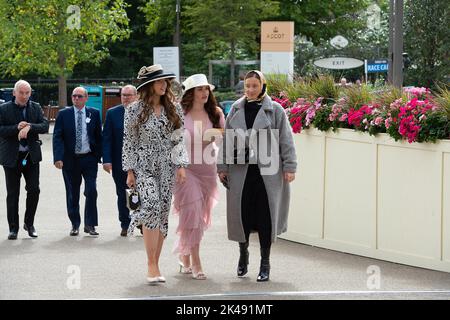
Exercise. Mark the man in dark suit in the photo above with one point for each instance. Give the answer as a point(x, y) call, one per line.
point(21, 121)
point(77, 150)
point(112, 152)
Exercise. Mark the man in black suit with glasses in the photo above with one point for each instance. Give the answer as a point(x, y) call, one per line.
point(21, 122)
point(77, 150)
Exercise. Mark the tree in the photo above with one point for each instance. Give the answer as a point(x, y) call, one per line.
point(322, 20)
point(128, 55)
point(234, 22)
point(427, 36)
point(51, 37)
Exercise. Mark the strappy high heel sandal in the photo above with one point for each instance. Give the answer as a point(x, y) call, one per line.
point(198, 275)
point(183, 269)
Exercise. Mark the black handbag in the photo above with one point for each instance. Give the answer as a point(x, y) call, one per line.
point(133, 199)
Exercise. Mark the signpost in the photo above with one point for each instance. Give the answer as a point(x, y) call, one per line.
point(338, 63)
point(168, 58)
point(277, 48)
point(375, 66)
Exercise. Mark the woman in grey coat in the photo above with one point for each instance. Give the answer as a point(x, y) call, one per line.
point(257, 170)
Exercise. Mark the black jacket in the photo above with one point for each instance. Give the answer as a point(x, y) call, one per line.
point(10, 117)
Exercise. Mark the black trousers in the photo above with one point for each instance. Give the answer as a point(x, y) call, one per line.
point(85, 167)
point(255, 207)
point(120, 179)
point(30, 172)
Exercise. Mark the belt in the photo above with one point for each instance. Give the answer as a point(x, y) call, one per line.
point(82, 155)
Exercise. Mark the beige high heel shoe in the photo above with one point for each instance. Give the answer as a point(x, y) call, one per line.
point(183, 269)
point(198, 275)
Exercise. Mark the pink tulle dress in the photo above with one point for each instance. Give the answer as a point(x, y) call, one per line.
point(195, 199)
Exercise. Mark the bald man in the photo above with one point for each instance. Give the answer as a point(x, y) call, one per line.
point(21, 122)
point(77, 150)
point(112, 152)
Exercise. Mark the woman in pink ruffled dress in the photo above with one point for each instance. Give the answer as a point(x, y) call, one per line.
point(195, 199)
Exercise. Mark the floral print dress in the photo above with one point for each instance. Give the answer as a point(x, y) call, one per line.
point(153, 152)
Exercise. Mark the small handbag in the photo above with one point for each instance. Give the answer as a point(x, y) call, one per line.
point(225, 183)
point(133, 199)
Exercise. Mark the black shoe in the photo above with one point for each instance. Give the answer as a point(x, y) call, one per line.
point(12, 235)
point(31, 231)
point(264, 268)
point(74, 232)
point(123, 233)
point(90, 230)
point(243, 259)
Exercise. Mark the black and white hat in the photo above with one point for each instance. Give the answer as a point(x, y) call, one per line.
point(152, 73)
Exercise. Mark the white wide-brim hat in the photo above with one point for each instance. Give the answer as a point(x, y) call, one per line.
point(152, 73)
point(196, 80)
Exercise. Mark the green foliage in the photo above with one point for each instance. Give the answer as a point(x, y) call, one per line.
point(277, 83)
point(434, 127)
point(225, 95)
point(321, 119)
point(443, 99)
point(427, 36)
point(385, 95)
point(324, 86)
point(43, 36)
point(322, 20)
point(160, 16)
point(358, 96)
point(302, 88)
point(233, 22)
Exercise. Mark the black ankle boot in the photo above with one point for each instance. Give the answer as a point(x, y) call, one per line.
point(243, 259)
point(264, 268)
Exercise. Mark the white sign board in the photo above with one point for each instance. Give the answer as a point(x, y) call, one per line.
point(168, 58)
point(338, 63)
point(277, 48)
point(339, 42)
point(277, 63)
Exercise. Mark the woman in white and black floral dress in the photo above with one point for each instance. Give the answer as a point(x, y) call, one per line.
point(154, 155)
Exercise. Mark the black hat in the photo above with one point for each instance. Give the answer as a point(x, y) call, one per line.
point(152, 73)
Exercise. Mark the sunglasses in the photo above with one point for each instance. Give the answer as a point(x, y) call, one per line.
point(79, 96)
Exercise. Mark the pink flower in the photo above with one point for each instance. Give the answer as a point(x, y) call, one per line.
point(408, 128)
point(355, 116)
point(296, 124)
point(378, 121)
point(387, 122)
point(343, 117)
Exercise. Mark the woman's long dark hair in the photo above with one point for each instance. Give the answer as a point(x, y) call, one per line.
point(211, 106)
point(167, 100)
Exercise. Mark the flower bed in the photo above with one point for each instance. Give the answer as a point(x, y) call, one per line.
point(379, 194)
point(415, 115)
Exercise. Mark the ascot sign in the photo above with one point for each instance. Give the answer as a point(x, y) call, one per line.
point(338, 63)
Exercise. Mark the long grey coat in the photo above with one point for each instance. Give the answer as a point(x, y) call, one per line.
point(282, 157)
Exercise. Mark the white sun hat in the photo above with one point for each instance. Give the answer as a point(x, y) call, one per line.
point(196, 80)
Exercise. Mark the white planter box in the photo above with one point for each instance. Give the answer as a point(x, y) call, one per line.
point(372, 196)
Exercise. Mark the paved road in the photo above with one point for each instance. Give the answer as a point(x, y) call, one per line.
point(56, 266)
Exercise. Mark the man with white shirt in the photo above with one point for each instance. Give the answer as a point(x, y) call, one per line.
point(77, 149)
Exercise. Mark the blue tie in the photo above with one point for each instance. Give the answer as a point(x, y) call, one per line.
point(78, 132)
